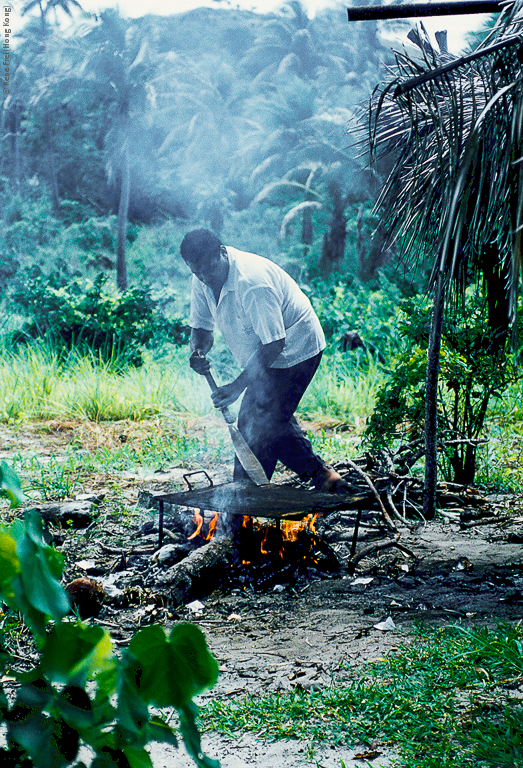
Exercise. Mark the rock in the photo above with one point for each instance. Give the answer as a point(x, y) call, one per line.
point(169, 554)
point(68, 514)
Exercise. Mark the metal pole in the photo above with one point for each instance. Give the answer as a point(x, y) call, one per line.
point(417, 10)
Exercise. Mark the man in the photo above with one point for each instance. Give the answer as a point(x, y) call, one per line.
point(270, 327)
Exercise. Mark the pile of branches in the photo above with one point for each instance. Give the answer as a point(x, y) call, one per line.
point(385, 482)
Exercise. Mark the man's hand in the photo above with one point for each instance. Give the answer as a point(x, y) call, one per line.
point(228, 394)
point(199, 362)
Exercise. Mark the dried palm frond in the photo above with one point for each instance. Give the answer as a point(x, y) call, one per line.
point(453, 196)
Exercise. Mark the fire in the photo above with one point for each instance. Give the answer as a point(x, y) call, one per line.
point(198, 521)
point(264, 541)
point(291, 529)
point(212, 527)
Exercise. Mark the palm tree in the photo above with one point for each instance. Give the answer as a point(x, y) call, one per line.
point(117, 64)
point(199, 105)
point(454, 195)
point(284, 44)
point(50, 5)
point(304, 164)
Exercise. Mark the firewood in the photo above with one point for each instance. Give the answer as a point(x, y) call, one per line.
point(197, 572)
point(377, 546)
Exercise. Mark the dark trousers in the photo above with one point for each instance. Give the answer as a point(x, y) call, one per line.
point(266, 420)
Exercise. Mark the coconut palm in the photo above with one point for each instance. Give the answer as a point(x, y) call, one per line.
point(44, 11)
point(117, 65)
point(199, 114)
point(304, 163)
point(454, 194)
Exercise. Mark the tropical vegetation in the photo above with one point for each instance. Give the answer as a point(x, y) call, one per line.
point(121, 135)
point(453, 197)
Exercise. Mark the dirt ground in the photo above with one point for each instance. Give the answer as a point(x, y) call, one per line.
point(310, 633)
point(279, 640)
point(325, 630)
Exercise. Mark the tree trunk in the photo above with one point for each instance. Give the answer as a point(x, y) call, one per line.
point(431, 401)
point(123, 209)
point(51, 168)
point(333, 248)
point(377, 256)
point(17, 167)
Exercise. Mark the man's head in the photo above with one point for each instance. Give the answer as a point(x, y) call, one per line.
point(205, 255)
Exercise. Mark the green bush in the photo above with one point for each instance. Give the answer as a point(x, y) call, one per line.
point(474, 368)
point(371, 312)
point(79, 692)
point(94, 234)
point(94, 317)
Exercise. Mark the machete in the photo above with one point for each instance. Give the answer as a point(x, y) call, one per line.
point(245, 456)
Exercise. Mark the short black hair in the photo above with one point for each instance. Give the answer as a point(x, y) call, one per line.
point(199, 242)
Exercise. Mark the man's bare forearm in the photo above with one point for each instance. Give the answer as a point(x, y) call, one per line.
point(262, 359)
point(201, 340)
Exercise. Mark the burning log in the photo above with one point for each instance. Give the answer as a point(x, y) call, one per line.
point(201, 569)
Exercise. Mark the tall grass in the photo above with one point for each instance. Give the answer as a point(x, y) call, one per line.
point(344, 388)
point(36, 383)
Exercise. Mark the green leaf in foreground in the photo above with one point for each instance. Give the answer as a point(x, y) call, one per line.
point(74, 653)
point(34, 587)
point(77, 691)
point(172, 669)
point(167, 671)
point(10, 485)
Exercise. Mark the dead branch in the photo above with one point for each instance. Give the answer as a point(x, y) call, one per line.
point(375, 547)
point(388, 462)
point(375, 492)
point(491, 520)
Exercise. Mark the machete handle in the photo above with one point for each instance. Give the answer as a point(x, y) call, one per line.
point(227, 415)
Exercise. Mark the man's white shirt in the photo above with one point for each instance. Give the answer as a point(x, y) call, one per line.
point(259, 303)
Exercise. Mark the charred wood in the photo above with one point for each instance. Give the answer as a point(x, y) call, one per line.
point(198, 572)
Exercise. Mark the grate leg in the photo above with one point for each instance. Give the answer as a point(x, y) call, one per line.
point(160, 522)
point(356, 531)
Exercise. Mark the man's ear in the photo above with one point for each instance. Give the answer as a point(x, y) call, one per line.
point(223, 250)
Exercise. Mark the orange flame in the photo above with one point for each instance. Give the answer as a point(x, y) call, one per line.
point(264, 541)
point(311, 519)
point(212, 527)
point(198, 521)
point(291, 530)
